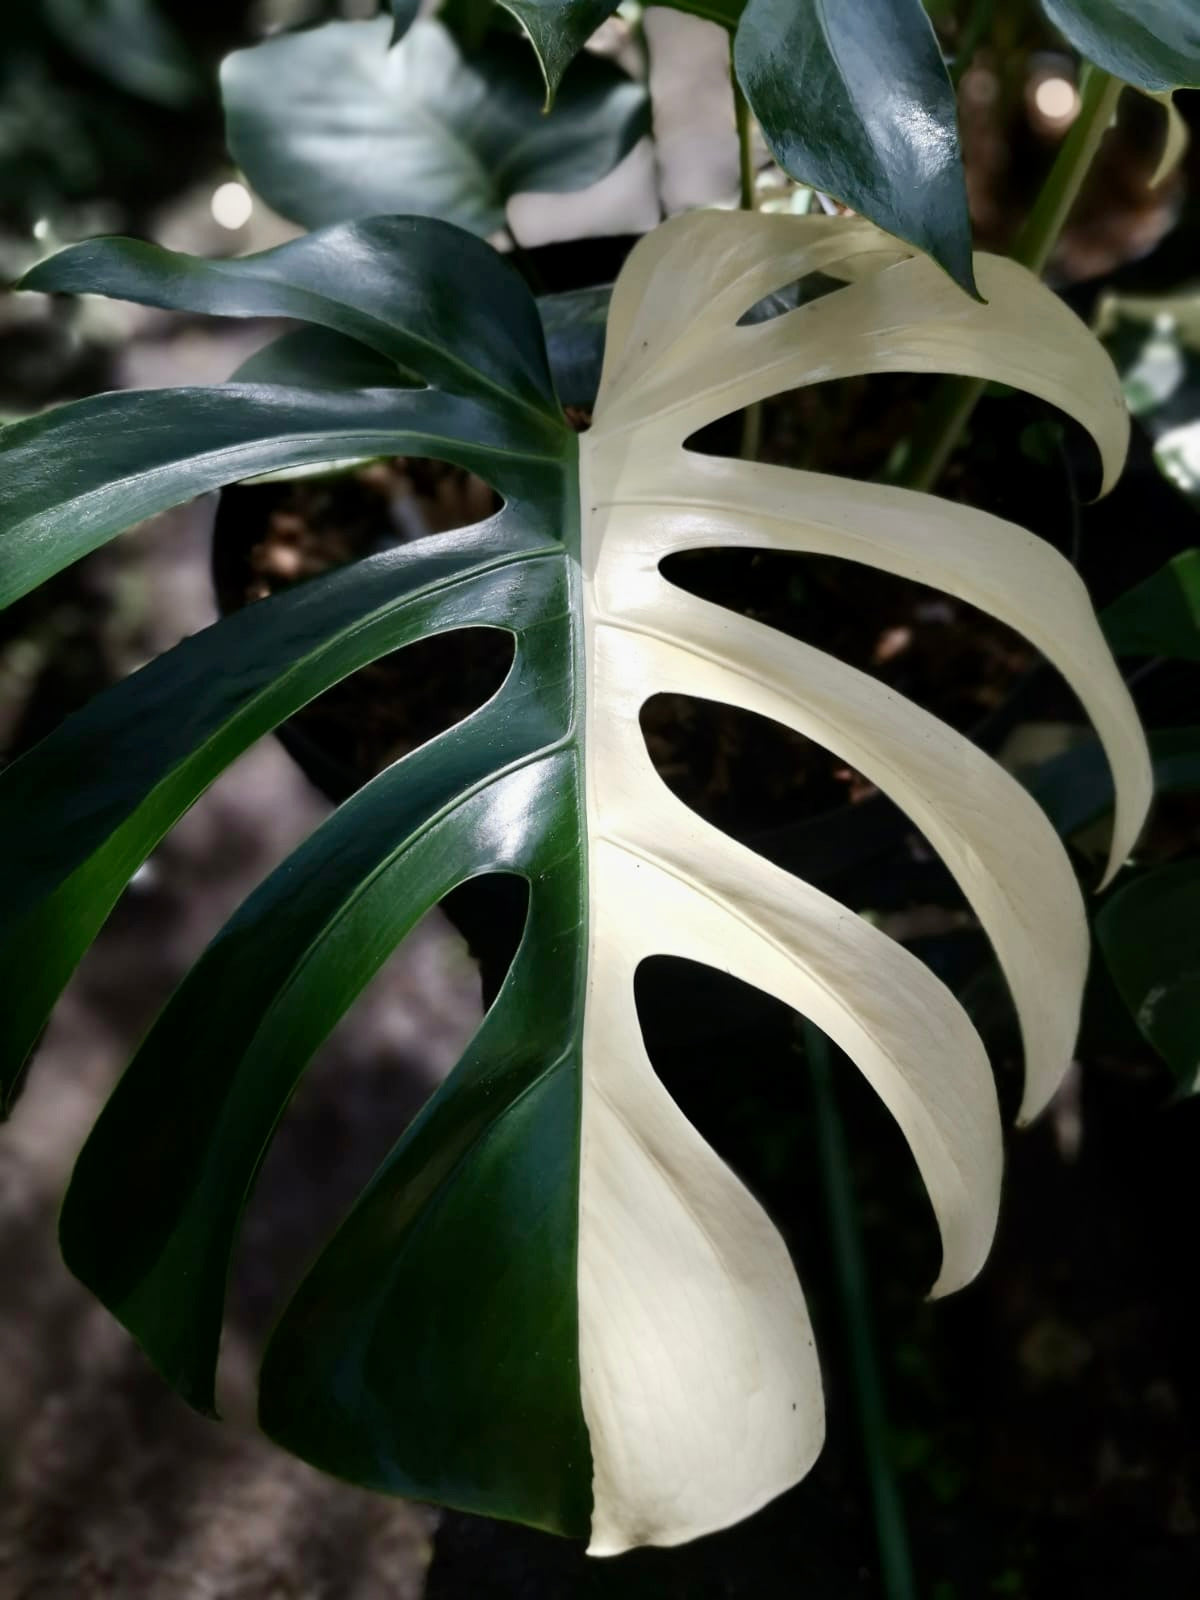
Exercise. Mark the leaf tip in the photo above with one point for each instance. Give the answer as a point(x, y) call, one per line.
point(1034, 1102)
point(960, 266)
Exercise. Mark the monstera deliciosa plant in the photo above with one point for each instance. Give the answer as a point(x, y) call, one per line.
point(553, 1302)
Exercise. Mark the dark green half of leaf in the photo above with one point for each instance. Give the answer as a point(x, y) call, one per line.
point(433, 1349)
point(574, 323)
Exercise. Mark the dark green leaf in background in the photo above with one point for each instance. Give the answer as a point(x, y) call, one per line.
point(1150, 935)
point(855, 99)
point(476, 1209)
point(559, 30)
point(132, 44)
point(404, 14)
point(574, 324)
point(318, 358)
point(331, 124)
point(1075, 788)
point(1154, 44)
point(1161, 615)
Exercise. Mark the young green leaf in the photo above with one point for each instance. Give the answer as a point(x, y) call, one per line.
point(1153, 44)
point(330, 125)
point(856, 100)
point(553, 1302)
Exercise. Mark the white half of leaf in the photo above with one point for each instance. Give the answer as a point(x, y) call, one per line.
point(700, 1385)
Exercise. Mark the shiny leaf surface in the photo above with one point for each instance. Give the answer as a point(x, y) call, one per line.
point(404, 14)
point(550, 1242)
point(331, 124)
point(132, 43)
point(1155, 342)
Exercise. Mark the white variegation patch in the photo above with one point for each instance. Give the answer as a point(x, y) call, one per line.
point(701, 1386)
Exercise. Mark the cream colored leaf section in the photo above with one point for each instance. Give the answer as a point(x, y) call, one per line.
point(700, 1385)
point(908, 316)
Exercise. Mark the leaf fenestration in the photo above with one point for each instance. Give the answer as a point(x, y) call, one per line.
point(550, 1242)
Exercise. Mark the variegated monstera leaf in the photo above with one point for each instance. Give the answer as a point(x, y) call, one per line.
point(553, 1302)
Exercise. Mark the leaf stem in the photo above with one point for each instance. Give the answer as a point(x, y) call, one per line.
point(1099, 93)
point(954, 399)
point(752, 417)
point(891, 1533)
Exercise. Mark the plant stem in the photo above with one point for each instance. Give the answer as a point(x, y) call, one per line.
point(752, 417)
point(895, 1563)
point(935, 441)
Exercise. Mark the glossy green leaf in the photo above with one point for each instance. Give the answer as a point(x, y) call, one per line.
point(856, 100)
point(330, 124)
point(1154, 44)
point(1150, 936)
point(574, 324)
point(559, 29)
point(554, 1302)
point(1161, 615)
